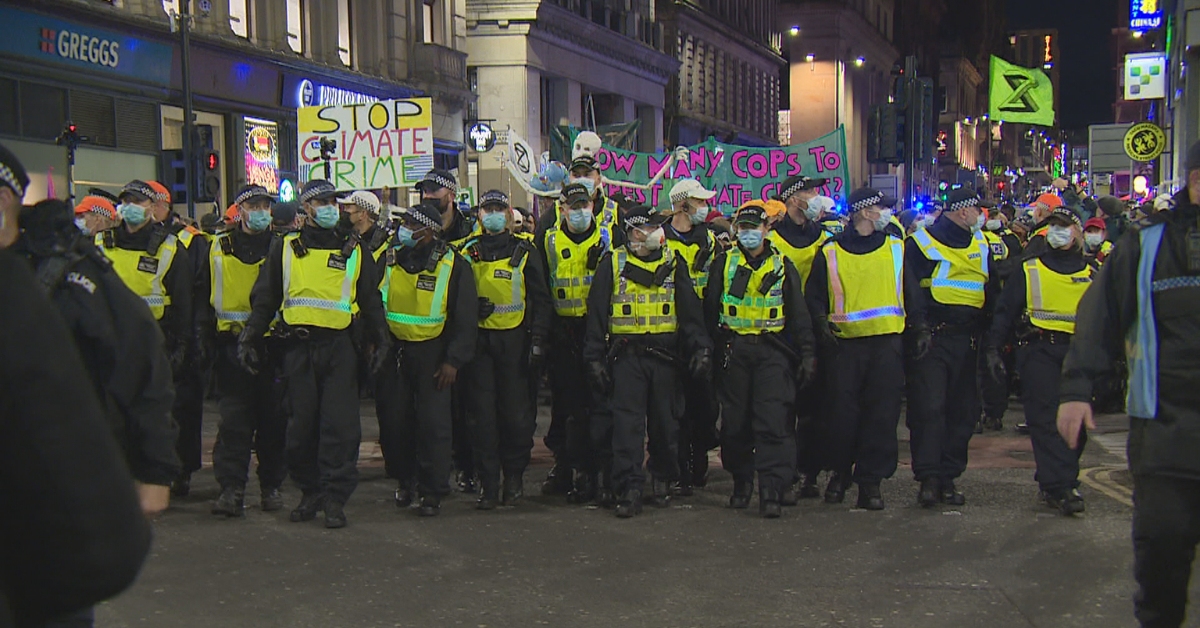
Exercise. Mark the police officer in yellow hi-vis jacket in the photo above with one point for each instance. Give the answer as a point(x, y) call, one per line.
point(432, 313)
point(572, 249)
point(755, 310)
point(1039, 303)
point(514, 324)
point(952, 259)
point(318, 280)
point(690, 238)
point(645, 327)
point(862, 299)
point(251, 416)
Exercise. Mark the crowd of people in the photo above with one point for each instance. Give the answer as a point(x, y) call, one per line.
point(787, 335)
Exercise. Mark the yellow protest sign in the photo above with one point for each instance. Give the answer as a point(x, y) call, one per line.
point(388, 143)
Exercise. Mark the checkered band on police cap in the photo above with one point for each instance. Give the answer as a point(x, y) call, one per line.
point(420, 215)
point(365, 200)
point(796, 186)
point(251, 191)
point(862, 204)
point(144, 189)
point(493, 197)
point(316, 189)
point(441, 179)
point(10, 179)
point(970, 201)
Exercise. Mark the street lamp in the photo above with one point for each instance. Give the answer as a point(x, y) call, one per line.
point(859, 62)
point(795, 30)
point(810, 57)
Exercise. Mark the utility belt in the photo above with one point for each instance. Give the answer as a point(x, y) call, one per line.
point(308, 332)
point(641, 348)
point(1036, 335)
point(768, 339)
point(954, 329)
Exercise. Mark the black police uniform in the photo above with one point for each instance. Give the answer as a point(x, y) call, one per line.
point(416, 432)
point(1164, 395)
point(644, 373)
point(324, 430)
point(251, 405)
point(500, 420)
point(458, 233)
point(942, 385)
point(864, 378)
point(119, 341)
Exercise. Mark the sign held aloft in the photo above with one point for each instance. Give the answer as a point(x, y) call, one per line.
point(388, 143)
point(1020, 95)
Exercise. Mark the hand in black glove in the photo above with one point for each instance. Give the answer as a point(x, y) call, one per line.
point(922, 342)
point(825, 336)
point(700, 366)
point(486, 307)
point(599, 377)
point(248, 354)
point(995, 364)
point(806, 371)
point(206, 348)
point(537, 355)
point(379, 354)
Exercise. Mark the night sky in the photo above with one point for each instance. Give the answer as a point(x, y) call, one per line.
point(1085, 31)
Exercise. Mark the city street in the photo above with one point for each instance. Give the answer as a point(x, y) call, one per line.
point(1000, 561)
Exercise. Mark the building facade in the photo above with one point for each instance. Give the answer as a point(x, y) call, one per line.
point(840, 61)
point(728, 85)
point(115, 70)
point(539, 64)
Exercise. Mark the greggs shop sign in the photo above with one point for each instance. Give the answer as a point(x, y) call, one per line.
point(48, 40)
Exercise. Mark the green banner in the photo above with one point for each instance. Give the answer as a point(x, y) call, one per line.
point(1021, 95)
point(737, 173)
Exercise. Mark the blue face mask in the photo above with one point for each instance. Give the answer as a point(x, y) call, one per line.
point(258, 220)
point(132, 214)
point(404, 237)
point(585, 182)
point(579, 219)
point(494, 222)
point(81, 225)
point(327, 216)
point(750, 239)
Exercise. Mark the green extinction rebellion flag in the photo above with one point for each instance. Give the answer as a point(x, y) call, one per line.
point(1021, 95)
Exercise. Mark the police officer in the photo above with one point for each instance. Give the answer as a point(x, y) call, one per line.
point(951, 259)
point(363, 209)
point(1040, 211)
point(251, 416)
point(993, 392)
point(1145, 304)
point(572, 249)
point(95, 214)
point(317, 280)
point(585, 171)
point(863, 298)
point(432, 311)
point(514, 324)
point(798, 236)
point(694, 244)
point(754, 300)
point(118, 339)
point(1039, 303)
point(643, 318)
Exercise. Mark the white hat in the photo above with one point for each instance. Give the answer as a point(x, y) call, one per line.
point(395, 212)
point(366, 200)
point(689, 188)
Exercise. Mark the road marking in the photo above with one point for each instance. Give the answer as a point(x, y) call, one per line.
point(1100, 479)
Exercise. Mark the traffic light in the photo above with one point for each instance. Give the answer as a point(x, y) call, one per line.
point(174, 175)
point(886, 134)
point(922, 111)
point(208, 176)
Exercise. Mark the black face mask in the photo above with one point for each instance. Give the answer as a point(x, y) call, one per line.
point(345, 223)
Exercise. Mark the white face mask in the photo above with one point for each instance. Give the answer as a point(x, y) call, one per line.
point(653, 242)
point(992, 225)
point(978, 226)
point(1058, 236)
point(885, 218)
point(1094, 240)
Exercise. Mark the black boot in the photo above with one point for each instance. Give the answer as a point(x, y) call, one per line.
point(514, 489)
point(430, 506)
point(835, 491)
point(584, 488)
point(335, 517)
point(742, 492)
point(683, 486)
point(488, 498)
point(660, 493)
point(308, 508)
point(231, 503)
point(466, 482)
point(272, 499)
point(995, 424)
point(808, 486)
point(1067, 503)
point(950, 495)
point(182, 485)
point(928, 496)
point(788, 496)
point(700, 468)
point(768, 503)
point(406, 492)
point(558, 481)
point(604, 491)
point(630, 503)
point(869, 497)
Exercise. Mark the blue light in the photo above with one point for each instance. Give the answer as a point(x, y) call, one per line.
point(919, 205)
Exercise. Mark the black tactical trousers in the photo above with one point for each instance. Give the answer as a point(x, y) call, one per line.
point(251, 418)
point(324, 432)
point(1040, 364)
point(587, 423)
point(811, 411)
point(866, 378)
point(941, 398)
point(416, 432)
point(498, 417)
point(993, 395)
point(697, 421)
point(643, 400)
point(188, 411)
point(1166, 529)
point(756, 390)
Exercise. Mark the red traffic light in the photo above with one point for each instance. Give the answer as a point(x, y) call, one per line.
point(211, 161)
point(71, 128)
point(1000, 185)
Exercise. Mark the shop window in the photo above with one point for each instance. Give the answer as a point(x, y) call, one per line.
point(93, 113)
point(432, 26)
point(137, 126)
point(239, 18)
point(344, 32)
point(43, 111)
point(295, 25)
point(8, 107)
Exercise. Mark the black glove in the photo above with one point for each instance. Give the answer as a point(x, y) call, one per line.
point(995, 364)
point(700, 366)
point(922, 341)
point(486, 307)
point(825, 336)
point(248, 354)
point(601, 380)
point(537, 355)
point(206, 348)
point(382, 348)
point(806, 371)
